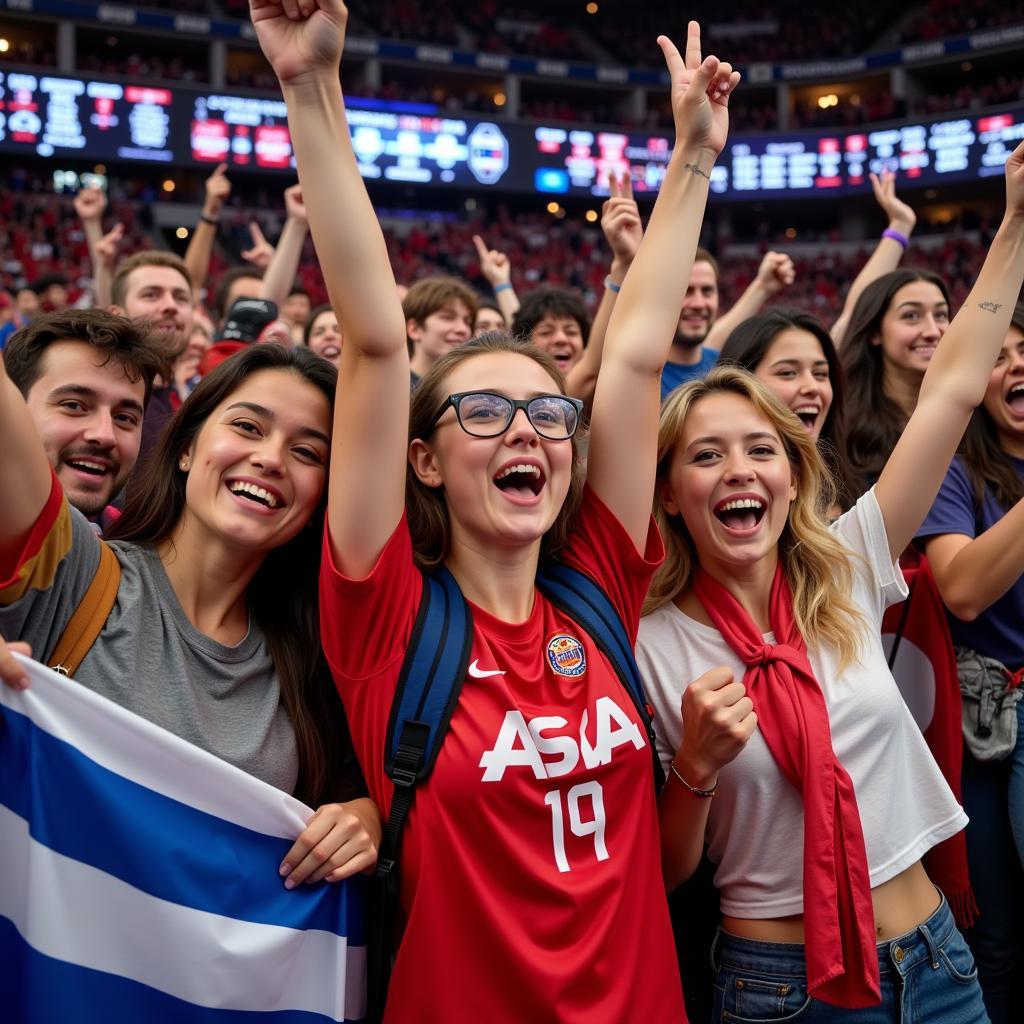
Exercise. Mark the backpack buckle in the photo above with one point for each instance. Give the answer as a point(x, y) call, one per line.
point(404, 777)
point(408, 759)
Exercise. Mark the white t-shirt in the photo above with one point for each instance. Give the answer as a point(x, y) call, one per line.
point(755, 828)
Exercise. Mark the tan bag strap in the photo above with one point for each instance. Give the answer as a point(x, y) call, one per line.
point(90, 616)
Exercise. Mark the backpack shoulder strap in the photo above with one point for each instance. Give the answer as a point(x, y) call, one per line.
point(428, 690)
point(585, 602)
point(90, 616)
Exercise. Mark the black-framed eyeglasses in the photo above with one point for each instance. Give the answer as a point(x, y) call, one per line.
point(488, 414)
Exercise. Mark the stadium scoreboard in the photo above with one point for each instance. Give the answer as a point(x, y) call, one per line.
point(103, 120)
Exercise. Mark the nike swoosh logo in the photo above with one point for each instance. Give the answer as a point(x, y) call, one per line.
point(483, 673)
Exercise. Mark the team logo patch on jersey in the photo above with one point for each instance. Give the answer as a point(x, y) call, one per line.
point(567, 655)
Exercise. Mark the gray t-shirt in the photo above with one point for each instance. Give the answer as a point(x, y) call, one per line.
point(149, 658)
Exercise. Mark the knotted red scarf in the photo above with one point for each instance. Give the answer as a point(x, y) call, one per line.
point(839, 920)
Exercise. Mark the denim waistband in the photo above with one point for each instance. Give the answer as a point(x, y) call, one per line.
point(897, 955)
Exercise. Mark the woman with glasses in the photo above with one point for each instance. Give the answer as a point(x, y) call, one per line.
point(531, 886)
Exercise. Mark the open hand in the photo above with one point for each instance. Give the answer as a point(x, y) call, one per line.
point(700, 94)
point(901, 217)
point(300, 39)
point(494, 264)
point(620, 220)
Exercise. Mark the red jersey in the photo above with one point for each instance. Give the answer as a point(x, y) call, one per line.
point(530, 862)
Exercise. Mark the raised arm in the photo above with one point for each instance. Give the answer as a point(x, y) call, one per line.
point(24, 471)
point(624, 425)
point(90, 204)
point(972, 573)
point(495, 266)
point(104, 260)
point(888, 252)
point(371, 419)
point(284, 264)
point(775, 274)
point(620, 222)
point(200, 247)
point(957, 375)
point(718, 718)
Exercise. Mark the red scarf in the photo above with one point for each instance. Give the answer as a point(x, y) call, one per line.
point(839, 919)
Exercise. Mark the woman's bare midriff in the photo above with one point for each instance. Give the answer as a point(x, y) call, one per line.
point(901, 904)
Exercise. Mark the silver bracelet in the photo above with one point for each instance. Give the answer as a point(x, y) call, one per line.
point(703, 793)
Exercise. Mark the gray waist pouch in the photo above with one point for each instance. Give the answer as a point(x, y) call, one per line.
point(989, 706)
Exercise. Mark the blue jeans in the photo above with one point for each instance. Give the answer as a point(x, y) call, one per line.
point(928, 977)
point(993, 793)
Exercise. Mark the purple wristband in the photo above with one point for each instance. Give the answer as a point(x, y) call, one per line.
point(896, 236)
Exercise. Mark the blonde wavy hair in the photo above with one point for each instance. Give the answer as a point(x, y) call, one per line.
point(427, 507)
point(818, 568)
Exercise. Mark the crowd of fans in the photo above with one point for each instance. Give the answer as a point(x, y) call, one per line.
point(147, 66)
point(971, 96)
point(939, 18)
point(444, 478)
point(42, 236)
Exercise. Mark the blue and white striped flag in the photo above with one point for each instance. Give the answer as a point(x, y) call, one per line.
point(138, 879)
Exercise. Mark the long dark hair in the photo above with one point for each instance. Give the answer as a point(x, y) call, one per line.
point(282, 597)
point(749, 343)
point(987, 465)
point(874, 421)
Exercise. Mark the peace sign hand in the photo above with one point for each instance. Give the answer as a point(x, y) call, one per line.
point(620, 220)
point(700, 94)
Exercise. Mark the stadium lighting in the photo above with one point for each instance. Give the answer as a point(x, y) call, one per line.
point(181, 233)
point(4, 45)
point(592, 7)
point(591, 216)
point(168, 185)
